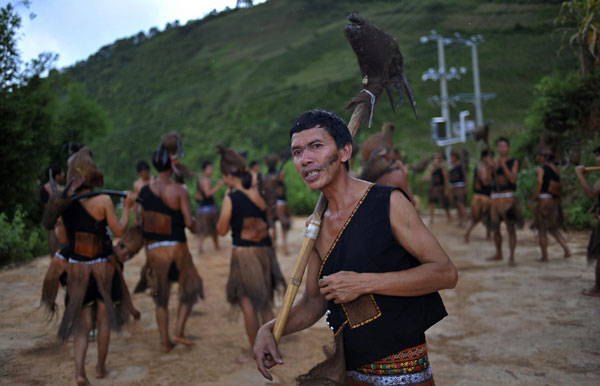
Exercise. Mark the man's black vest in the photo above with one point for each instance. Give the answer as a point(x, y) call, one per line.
point(395, 323)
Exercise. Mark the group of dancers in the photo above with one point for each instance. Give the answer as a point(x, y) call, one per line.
point(89, 264)
point(494, 199)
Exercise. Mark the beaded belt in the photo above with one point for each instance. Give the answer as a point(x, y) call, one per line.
point(207, 209)
point(545, 195)
point(503, 195)
point(281, 202)
point(162, 244)
point(457, 184)
point(384, 380)
point(412, 360)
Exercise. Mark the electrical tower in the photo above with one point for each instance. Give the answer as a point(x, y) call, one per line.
point(443, 132)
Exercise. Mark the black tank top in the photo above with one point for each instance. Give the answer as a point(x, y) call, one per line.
point(501, 183)
point(479, 187)
point(205, 201)
point(437, 177)
point(456, 174)
point(243, 207)
point(44, 196)
point(79, 222)
point(367, 244)
point(153, 203)
point(549, 175)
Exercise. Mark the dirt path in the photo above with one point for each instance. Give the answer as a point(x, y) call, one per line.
point(526, 325)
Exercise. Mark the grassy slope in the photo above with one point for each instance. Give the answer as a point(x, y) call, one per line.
point(241, 78)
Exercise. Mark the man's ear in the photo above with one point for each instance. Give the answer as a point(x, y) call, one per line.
point(346, 152)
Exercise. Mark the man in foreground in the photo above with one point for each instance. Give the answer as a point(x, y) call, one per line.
point(375, 268)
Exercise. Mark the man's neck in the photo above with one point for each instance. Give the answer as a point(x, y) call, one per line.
point(341, 192)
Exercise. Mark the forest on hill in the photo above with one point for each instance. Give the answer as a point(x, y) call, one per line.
point(240, 77)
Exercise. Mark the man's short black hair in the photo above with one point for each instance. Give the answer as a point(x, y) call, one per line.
point(205, 164)
point(502, 139)
point(331, 122)
point(486, 152)
point(253, 164)
point(142, 165)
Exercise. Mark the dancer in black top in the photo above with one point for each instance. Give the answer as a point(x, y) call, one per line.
point(549, 216)
point(207, 212)
point(94, 283)
point(438, 191)
point(276, 196)
point(254, 272)
point(482, 188)
point(165, 215)
point(505, 206)
point(458, 187)
point(593, 250)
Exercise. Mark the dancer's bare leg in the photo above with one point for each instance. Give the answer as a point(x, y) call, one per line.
point(80, 344)
point(543, 239)
point(461, 214)
point(284, 238)
point(183, 312)
point(251, 324)
point(474, 221)
point(595, 290)
point(561, 240)
point(162, 319)
point(498, 244)
point(103, 339)
point(512, 242)
point(215, 238)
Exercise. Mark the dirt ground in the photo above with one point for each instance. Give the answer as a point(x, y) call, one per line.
point(526, 325)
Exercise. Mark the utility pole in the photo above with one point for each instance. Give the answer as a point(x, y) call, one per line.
point(442, 74)
point(443, 82)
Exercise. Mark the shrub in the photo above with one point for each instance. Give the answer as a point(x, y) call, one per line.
point(18, 241)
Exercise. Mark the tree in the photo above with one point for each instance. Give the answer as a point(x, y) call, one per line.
point(582, 18)
point(10, 22)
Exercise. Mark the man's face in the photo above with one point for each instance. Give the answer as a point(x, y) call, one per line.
point(208, 170)
point(60, 177)
point(437, 159)
point(256, 168)
point(316, 156)
point(502, 148)
point(145, 174)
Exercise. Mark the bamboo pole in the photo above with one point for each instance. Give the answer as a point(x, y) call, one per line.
point(592, 168)
point(310, 236)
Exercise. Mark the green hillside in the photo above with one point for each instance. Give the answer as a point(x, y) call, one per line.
point(241, 77)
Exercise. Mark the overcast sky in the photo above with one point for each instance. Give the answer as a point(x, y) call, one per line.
point(75, 29)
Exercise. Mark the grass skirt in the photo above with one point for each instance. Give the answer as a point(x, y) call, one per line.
point(170, 263)
point(254, 273)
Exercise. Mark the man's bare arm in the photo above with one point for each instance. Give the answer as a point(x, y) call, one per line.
point(225, 216)
point(209, 190)
point(587, 189)
point(117, 227)
point(511, 174)
point(435, 273)
point(186, 210)
point(538, 186)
